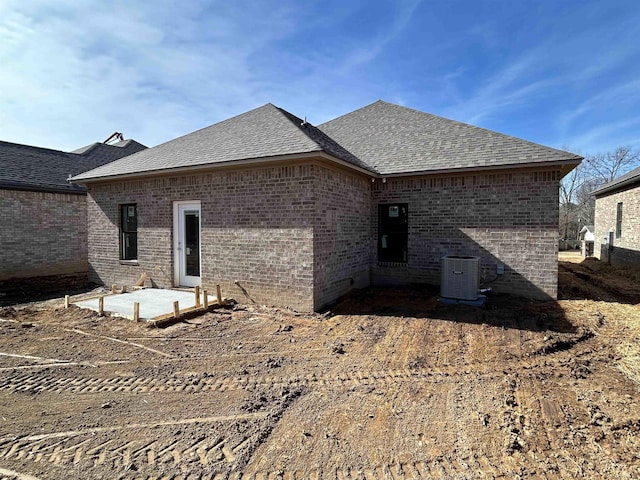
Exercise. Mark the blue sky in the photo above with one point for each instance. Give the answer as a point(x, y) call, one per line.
point(560, 73)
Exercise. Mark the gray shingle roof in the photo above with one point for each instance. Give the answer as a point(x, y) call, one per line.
point(263, 133)
point(26, 167)
point(396, 139)
point(107, 152)
point(381, 138)
point(626, 180)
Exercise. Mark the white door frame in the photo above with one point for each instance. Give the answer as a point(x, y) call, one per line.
point(180, 279)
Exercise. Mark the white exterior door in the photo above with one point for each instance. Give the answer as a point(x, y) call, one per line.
point(186, 235)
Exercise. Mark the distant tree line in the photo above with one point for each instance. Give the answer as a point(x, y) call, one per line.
point(577, 204)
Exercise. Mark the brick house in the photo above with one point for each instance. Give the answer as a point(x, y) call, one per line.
point(617, 223)
point(284, 213)
point(43, 215)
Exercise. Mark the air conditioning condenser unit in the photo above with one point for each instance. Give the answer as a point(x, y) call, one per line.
point(459, 277)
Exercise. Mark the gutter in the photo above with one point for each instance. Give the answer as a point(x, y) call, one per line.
point(26, 187)
point(507, 166)
point(322, 155)
point(231, 163)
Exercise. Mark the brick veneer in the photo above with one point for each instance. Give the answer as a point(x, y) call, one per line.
point(302, 235)
point(502, 217)
point(342, 234)
point(257, 228)
point(626, 250)
point(42, 234)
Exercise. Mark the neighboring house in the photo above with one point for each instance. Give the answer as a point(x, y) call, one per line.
point(618, 220)
point(284, 213)
point(44, 220)
point(587, 239)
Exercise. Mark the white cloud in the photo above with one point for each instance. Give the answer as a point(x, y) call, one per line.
point(73, 72)
point(514, 85)
point(626, 93)
point(76, 72)
point(606, 136)
point(401, 17)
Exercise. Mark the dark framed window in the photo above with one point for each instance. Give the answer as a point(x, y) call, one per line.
point(128, 232)
point(619, 221)
point(393, 232)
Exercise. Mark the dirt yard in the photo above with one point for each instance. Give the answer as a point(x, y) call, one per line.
point(391, 384)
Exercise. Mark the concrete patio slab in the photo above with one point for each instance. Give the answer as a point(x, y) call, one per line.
point(153, 302)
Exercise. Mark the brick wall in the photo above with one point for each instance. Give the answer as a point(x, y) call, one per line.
point(626, 249)
point(342, 234)
point(256, 227)
point(42, 234)
point(508, 218)
point(302, 235)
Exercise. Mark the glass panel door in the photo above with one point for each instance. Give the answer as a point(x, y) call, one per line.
point(192, 242)
point(187, 249)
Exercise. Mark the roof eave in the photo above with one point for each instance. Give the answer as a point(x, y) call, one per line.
point(616, 186)
point(229, 164)
point(25, 187)
point(565, 165)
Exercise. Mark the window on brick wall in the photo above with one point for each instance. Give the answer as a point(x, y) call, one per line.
point(393, 228)
point(128, 232)
point(619, 221)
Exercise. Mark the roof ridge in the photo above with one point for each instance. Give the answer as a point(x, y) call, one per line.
point(129, 157)
point(324, 141)
point(33, 147)
point(122, 143)
point(494, 132)
point(400, 140)
point(354, 111)
point(572, 156)
point(298, 122)
point(87, 148)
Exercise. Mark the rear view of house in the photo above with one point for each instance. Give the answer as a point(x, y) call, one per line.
point(617, 224)
point(280, 212)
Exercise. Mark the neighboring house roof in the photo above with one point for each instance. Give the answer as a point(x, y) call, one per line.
point(106, 152)
point(380, 139)
point(397, 140)
point(624, 181)
point(24, 167)
point(587, 233)
point(263, 133)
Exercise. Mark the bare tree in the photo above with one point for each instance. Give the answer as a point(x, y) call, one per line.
point(609, 165)
point(586, 202)
point(569, 188)
point(577, 205)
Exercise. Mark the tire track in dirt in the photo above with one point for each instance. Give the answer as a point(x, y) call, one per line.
point(88, 450)
point(472, 467)
point(194, 448)
point(209, 457)
point(39, 382)
point(216, 456)
point(146, 454)
point(586, 285)
point(541, 416)
point(11, 475)
point(42, 381)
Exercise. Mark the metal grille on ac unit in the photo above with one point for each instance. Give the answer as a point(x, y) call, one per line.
point(459, 277)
